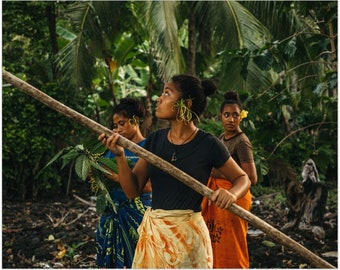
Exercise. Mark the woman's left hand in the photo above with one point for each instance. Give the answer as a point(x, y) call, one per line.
point(223, 198)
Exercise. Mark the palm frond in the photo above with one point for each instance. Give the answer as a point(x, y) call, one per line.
point(235, 28)
point(163, 30)
point(279, 16)
point(109, 16)
point(74, 60)
point(96, 28)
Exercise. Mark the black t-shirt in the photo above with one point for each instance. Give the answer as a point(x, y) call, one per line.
point(195, 158)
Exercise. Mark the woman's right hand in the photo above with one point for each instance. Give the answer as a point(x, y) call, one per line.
point(223, 198)
point(111, 143)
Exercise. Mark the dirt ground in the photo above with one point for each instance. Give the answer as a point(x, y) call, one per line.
point(60, 233)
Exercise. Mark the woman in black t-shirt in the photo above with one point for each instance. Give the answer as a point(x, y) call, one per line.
point(173, 233)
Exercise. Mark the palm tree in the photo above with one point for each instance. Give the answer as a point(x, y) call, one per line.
point(220, 38)
point(303, 30)
point(102, 43)
point(213, 29)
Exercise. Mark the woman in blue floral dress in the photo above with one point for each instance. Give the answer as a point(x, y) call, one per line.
point(117, 234)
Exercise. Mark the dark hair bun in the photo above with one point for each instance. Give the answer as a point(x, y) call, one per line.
point(231, 95)
point(128, 101)
point(209, 87)
point(131, 106)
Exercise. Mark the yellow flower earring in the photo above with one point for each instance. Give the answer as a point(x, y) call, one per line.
point(243, 114)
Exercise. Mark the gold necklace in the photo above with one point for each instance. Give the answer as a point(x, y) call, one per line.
point(173, 156)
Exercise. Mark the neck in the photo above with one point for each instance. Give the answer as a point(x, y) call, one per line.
point(181, 133)
point(230, 134)
point(137, 137)
point(180, 129)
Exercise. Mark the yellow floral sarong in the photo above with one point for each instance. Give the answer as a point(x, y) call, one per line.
point(173, 239)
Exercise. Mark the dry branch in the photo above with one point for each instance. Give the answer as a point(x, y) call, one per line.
point(167, 167)
point(58, 221)
point(84, 201)
point(78, 217)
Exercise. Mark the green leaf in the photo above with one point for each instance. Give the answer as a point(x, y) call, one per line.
point(101, 203)
point(58, 155)
point(105, 192)
point(70, 155)
point(64, 33)
point(110, 163)
point(98, 167)
point(82, 165)
point(268, 243)
point(264, 61)
point(264, 168)
point(290, 48)
point(94, 146)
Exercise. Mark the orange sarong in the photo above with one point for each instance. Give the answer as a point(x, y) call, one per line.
point(173, 239)
point(228, 232)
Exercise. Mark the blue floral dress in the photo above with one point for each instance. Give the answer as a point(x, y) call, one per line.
point(117, 234)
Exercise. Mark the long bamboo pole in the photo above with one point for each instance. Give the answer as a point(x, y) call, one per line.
point(167, 167)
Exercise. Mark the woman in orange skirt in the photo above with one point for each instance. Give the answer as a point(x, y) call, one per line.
point(228, 232)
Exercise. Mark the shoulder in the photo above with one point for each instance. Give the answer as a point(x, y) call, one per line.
point(214, 149)
point(157, 134)
point(207, 136)
point(141, 143)
point(156, 137)
point(209, 139)
point(244, 138)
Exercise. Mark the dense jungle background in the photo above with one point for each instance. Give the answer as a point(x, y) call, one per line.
point(280, 55)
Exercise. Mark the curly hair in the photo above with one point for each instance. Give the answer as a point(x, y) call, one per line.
point(130, 108)
point(195, 89)
point(231, 97)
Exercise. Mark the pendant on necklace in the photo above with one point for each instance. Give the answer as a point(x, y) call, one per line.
point(173, 157)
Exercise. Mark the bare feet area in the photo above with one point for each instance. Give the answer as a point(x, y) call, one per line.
point(60, 233)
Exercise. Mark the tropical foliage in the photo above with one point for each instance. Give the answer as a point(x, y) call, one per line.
point(279, 55)
point(88, 159)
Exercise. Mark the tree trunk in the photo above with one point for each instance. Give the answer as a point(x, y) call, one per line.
point(51, 18)
point(191, 64)
point(147, 123)
point(307, 202)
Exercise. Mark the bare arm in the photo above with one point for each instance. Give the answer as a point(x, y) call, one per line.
point(250, 170)
point(217, 174)
point(131, 181)
point(241, 184)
